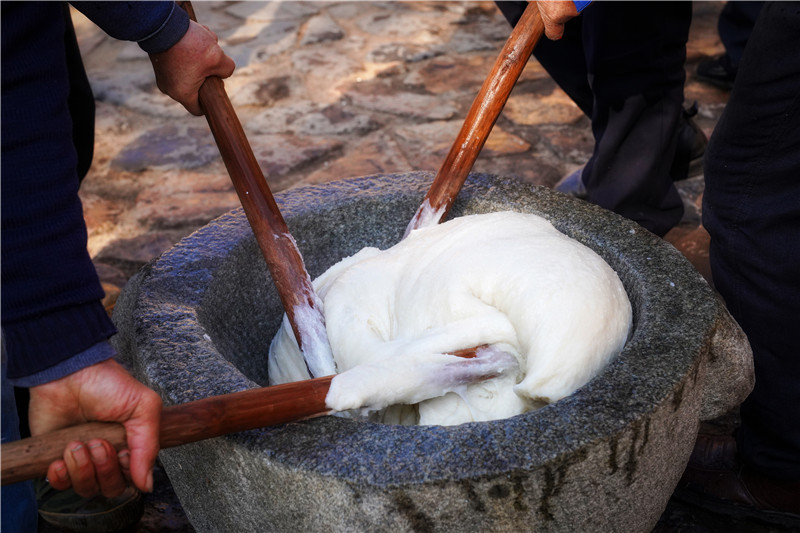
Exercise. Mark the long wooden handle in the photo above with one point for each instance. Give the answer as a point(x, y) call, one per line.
point(180, 424)
point(482, 115)
point(183, 423)
point(272, 234)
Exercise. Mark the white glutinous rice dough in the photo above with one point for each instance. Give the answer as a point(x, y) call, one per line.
point(507, 280)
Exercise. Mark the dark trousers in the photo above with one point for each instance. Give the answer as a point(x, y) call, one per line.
point(623, 65)
point(735, 24)
point(18, 500)
point(751, 209)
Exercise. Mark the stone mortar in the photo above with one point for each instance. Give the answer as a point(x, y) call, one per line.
point(198, 321)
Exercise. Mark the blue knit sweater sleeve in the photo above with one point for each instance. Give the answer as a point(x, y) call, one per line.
point(156, 26)
point(93, 355)
point(53, 320)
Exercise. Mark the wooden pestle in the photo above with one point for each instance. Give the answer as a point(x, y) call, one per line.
point(180, 424)
point(272, 234)
point(482, 115)
point(183, 423)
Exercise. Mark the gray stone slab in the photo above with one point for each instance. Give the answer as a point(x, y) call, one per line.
point(133, 87)
point(312, 119)
point(321, 28)
point(377, 95)
point(272, 11)
point(197, 322)
point(168, 147)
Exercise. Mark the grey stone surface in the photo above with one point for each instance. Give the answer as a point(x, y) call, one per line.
point(324, 63)
point(279, 154)
point(133, 87)
point(197, 322)
point(377, 95)
point(129, 255)
point(308, 118)
point(271, 11)
point(409, 52)
point(168, 147)
point(321, 28)
point(192, 199)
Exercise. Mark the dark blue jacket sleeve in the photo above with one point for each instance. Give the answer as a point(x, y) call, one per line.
point(156, 26)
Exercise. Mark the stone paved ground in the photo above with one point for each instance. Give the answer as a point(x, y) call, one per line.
point(328, 90)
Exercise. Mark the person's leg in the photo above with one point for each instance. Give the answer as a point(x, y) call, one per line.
point(752, 212)
point(622, 63)
point(736, 21)
point(635, 53)
point(18, 500)
point(629, 171)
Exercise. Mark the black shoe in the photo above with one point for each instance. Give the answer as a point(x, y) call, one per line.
point(717, 481)
point(691, 149)
point(68, 511)
point(717, 71)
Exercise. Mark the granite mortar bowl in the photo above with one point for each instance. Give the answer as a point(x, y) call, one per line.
point(198, 321)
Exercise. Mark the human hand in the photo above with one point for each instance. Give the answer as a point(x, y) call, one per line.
point(181, 70)
point(101, 392)
point(555, 13)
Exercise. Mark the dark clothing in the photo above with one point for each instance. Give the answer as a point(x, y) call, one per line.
point(51, 296)
point(623, 65)
point(80, 100)
point(18, 501)
point(751, 209)
point(155, 26)
point(53, 322)
point(734, 26)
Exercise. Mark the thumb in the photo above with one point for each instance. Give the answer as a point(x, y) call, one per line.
point(142, 431)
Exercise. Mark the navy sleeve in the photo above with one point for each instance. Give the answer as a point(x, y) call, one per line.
point(95, 354)
point(156, 26)
point(51, 295)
